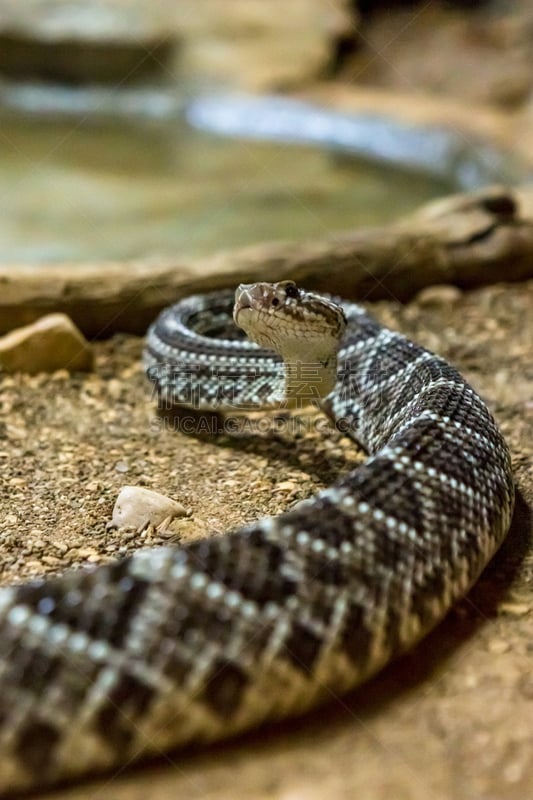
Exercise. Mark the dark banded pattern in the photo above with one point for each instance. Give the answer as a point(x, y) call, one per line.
point(177, 645)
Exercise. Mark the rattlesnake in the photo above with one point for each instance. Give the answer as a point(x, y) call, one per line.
point(176, 645)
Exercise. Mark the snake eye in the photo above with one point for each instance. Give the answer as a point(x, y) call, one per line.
point(275, 301)
point(291, 290)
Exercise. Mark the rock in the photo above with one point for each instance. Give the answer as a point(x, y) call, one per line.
point(110, 42)
point(261, 44)
point(512, 90)
point(244, 43)
point(137, 507)
point(438, 295)
point(514, 609)
point(525, 686)
point(186, 530)
point(51, 343)
point(498, 646)
point(286, 486)
point(435, 53)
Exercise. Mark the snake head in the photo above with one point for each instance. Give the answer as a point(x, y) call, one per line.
point(302, 327)
point(256, 302)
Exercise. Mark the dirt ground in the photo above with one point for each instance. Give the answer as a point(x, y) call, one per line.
point(451, 721)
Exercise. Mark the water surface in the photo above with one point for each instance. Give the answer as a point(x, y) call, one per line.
point(82, 189)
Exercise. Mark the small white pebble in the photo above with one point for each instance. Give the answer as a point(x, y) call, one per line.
point(137, 507)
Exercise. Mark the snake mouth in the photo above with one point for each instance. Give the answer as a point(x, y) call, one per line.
point(244, 301)
point(237, 309)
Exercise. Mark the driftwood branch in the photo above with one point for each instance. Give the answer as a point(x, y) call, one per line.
point(467, 240)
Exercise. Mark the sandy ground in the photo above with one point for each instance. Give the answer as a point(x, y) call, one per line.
point(451, 721)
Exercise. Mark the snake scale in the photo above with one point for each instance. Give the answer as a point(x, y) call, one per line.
point(176, 645)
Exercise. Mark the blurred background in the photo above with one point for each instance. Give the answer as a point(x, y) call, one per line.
point(128, 129)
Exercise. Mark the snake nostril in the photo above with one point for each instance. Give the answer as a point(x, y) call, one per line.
point(275, 301)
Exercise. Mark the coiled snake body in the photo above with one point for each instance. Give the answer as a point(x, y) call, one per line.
point(176, 645)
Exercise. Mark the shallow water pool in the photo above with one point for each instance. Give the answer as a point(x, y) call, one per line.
point(79, 189)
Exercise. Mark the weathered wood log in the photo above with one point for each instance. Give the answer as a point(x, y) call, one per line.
point(466, 240)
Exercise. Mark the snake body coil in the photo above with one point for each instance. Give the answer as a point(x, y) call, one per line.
point(175, 645)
